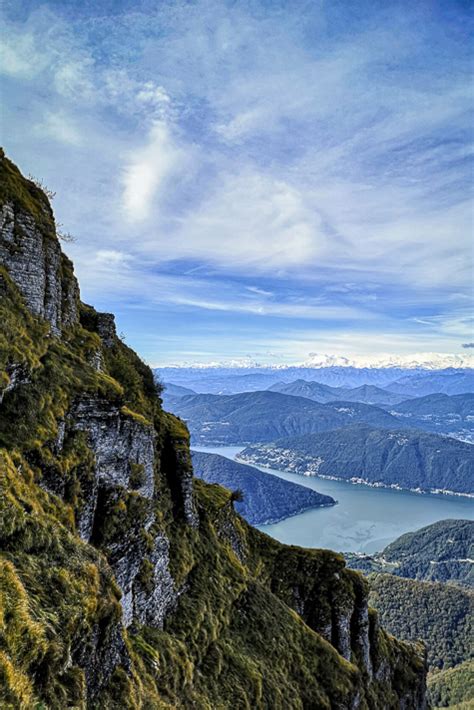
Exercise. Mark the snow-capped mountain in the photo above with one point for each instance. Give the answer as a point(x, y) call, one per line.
point(422, 361)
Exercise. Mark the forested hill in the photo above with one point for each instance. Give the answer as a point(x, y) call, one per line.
point(266, 498)
point(412, 460)
point(439, 613)
point(265, 416)
point(443, 551)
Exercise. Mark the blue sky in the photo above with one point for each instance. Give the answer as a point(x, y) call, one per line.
point(255, 180)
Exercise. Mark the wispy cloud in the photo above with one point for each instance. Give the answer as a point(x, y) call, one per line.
point(267, 161)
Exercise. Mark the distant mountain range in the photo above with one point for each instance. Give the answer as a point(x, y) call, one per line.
point(407, 459)
point(441, 552)
point(225, 419)
point(399, 380)
point(252, 417)
point(368, 394)
point(266, 498)
point(449, 381)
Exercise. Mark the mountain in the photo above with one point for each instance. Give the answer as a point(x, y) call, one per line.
point(265, 416)
point(367, 394)
point(458, 406)
point(221, 379)
point(441, 413)
point(266, 498)
point(450, 381)
point(125, 582)
point(414, 361)
point(171, 392)
point(310, 390)
point(176, 390)
point(402, 459)
point(440, 614)
point(441, 552)
point(372, 395)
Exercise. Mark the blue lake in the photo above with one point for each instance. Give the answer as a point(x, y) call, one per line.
point(364, 520)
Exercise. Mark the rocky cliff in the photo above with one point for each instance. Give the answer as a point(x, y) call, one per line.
point(124, 583)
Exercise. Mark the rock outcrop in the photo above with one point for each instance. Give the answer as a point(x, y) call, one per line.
point(128, 583)
point(37, 265)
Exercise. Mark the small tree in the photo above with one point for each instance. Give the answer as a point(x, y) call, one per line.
point(62, 235)
point(50, 194)
point(236, 496)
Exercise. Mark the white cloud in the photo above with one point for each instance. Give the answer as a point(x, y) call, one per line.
point(19, 56)
point(60, 127)
point(248, 141)
point(147, 171)
point(249, 220)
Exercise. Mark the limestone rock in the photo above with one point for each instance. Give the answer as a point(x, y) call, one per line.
point(37, 265)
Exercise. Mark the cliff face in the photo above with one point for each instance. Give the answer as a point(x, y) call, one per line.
point(124, 582)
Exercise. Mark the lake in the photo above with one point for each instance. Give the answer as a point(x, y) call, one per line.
point(364, 520)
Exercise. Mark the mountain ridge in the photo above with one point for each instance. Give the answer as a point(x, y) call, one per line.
point(409, 459)
point(266, 498)
point(440, 552)
point(259, 416)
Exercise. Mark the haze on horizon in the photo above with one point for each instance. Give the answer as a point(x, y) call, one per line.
point(255, 181)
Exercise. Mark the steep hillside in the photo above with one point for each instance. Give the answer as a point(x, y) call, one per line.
point(440, 614)
point(266, 498)
point(441, 552)
point(407, 459)
point(453, 687)
point(124, 582)
point(265, 416)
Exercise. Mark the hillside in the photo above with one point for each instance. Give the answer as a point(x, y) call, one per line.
point(405, 459)
point(266, 498)
point(441, 552)
point(440, 413)
point(453, 687)
point(265, 416)
point(124, 581)
point(368, 394)
point(440, 614)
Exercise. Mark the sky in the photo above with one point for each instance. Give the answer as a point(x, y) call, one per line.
point(255, 181)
